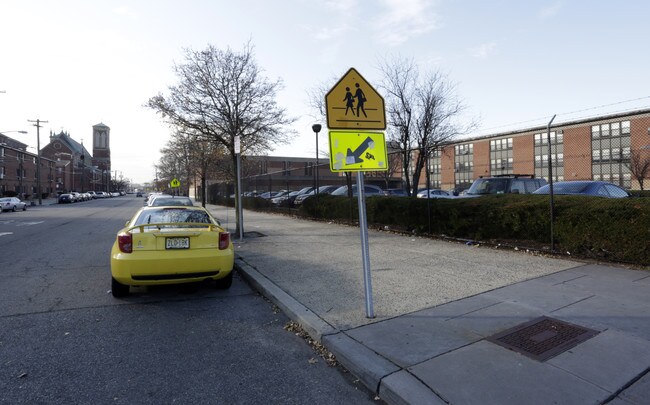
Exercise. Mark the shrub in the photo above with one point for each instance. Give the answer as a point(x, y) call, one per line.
point(610, 229)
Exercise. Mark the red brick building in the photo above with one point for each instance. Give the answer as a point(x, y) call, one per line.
point(66, 165)
point(598, 148)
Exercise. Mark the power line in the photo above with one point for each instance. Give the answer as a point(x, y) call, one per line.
point(568, 113)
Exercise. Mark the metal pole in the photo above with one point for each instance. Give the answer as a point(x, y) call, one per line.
point(316, 128)
point(363, 226)
point(240, 211)
point(428, 190)
point(550, 179)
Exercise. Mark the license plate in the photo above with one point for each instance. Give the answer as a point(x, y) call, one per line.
point(177, 243)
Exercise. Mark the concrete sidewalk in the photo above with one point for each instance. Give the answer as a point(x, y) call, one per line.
point(437, 302)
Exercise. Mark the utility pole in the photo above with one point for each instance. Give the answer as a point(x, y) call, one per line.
point(38, 162)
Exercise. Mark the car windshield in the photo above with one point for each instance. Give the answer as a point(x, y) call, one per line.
point(172, 215)
point(488, 186)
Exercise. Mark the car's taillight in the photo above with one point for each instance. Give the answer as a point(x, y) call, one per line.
point(224, 240)
point(125, 242)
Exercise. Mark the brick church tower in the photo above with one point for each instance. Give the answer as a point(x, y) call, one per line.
point(102, 147)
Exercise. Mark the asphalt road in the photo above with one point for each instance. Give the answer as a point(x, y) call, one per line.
point(65, 339)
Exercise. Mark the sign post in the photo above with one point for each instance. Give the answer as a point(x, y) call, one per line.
point(238, 191)
point(353, 107)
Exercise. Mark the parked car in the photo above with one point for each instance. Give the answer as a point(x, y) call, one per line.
point(434, 193)
point(172, 201)
point(369, 190)
point(138, 194)
point(395, 192)
point(66, 198)
point(169, 245)
point(592, 188)
point(505, 184)
point(152, 196)
point(267, 195)
point(279, 195)
point(321, 190)
point(12, 204)
point(288, 199)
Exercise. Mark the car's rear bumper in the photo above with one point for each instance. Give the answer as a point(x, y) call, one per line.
point(170, 267)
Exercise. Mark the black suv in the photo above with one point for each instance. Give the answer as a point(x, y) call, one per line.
point(504, 184)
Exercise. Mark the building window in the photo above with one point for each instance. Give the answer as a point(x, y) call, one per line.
point(595, 131)
point(501, 159)
point(464, 165)
point(557, 154)
point(611, 153)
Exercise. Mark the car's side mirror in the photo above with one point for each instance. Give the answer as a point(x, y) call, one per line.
point(127, 223)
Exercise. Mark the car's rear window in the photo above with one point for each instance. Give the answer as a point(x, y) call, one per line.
point(570, 187)
point(159, 202)
point(488, 186)
point(172, 215)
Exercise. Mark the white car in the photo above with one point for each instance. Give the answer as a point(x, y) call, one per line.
point(12, 204)
point(434, 193)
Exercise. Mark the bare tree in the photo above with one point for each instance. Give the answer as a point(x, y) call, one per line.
point(316, 100)
point(221, 95)
point(423, 113)
point(639, 165)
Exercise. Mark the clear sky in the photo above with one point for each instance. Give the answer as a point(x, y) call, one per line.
point(76, 63)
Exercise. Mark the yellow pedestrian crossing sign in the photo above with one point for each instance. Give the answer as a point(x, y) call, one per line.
point(175, 183)
point(357, 151)
point(354, 104)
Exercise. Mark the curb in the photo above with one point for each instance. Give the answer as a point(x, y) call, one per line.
point(394, 384)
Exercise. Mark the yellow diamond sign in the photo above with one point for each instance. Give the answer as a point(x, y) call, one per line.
point(354, 104)
point(175, 183)
point(357, 151)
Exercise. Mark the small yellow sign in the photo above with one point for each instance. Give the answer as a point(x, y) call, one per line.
point(175, 183)
point(357, 151)
point(354, 104)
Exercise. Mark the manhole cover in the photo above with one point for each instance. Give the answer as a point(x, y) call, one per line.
point(542, 338)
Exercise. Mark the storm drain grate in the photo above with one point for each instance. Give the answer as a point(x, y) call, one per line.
point(253, 234)
point(542, 338)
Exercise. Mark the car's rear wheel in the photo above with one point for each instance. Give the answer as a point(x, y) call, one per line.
point(14, 209)
point(226, 282)
point(118, 289)
point(24, 207)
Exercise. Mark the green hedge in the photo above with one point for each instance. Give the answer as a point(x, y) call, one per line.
point(608, 229)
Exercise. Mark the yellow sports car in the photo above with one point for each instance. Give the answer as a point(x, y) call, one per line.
point(169, 245)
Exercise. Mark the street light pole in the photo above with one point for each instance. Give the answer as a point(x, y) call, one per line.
point(38, 153)
point(316, 128)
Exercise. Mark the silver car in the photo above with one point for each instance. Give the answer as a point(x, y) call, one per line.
point(12, 204)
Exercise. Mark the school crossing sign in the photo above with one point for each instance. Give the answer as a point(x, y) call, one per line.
point(354, 108)
point(354, 104)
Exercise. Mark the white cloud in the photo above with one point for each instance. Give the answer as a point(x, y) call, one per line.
point(550, 11)
point(484, 51)
point(326, 33)
point(125, 11)
point(404, 19)
point(342, 5)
